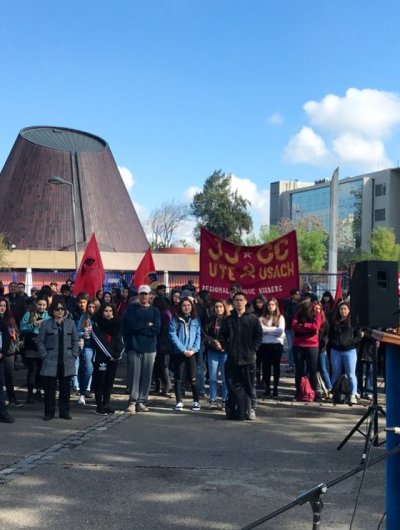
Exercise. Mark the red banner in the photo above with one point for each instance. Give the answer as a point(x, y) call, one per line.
point(270, 269)
point(90, 275)
point(146, 271)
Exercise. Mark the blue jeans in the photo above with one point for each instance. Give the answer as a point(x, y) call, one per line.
point(201, 373)
point(323, 368)
point(290, 352)
point(347, 360)
point(216, 361)
point(85, 370)
point(74, 378)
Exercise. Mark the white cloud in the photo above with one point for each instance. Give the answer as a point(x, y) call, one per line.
point(127, 177)
point(368, 154)
point(276, 118)
point(306, 147)
point(142, 211)
point(371, 113)
point(349, 130)
point(190, 193)
point(259, 199)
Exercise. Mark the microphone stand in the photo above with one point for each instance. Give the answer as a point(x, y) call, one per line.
point(313, 496)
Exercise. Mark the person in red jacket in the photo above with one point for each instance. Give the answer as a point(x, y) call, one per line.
point(305, 325)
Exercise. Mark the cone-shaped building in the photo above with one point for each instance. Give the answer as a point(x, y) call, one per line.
point(37, 214)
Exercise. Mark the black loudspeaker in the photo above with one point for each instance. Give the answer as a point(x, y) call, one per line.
point(374, 294)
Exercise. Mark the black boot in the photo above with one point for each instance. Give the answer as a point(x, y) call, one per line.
point(30, 398)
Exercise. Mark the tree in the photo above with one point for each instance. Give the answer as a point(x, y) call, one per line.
point(266, 234)
point(311, 240)
point(383, 244)
point(164, 221)
point(221, 210)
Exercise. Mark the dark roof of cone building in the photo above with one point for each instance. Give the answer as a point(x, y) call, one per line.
point(36, 214)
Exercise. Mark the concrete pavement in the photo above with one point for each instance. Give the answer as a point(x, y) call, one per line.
point(184, 470)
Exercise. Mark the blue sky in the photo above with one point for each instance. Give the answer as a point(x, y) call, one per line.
point(265, 90)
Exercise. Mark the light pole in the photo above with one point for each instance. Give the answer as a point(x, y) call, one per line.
point(63, 182)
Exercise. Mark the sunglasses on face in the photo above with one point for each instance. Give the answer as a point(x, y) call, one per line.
point(59, 309)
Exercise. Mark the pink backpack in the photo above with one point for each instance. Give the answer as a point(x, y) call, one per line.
point(305, 393)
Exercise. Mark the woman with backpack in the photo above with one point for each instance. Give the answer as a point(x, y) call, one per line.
point(343, 339)
point(306, 325)
point(273, 326)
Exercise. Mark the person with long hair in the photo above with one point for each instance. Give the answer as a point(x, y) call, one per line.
point(185, 335)
point(84, 327)
point(322, 347)
point(216, 356)
point(306, 325)
point(108, 348)
point(328, 304)
point(29, 327)
point(13, 348)
point(273, 327)
point(5, 416)
point(343, 339)
point(58, 346)
point(258, 304)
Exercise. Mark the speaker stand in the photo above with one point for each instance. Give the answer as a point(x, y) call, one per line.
point(371, 416)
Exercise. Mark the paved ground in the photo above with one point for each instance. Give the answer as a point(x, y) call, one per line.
point(188, 470)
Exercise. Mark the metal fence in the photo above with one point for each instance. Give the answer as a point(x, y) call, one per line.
point(319, 282)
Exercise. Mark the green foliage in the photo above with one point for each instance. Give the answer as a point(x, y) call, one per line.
point(311, 240)
point(383, 244)
point(266, 234)
point(221, 210)
point(312, 250)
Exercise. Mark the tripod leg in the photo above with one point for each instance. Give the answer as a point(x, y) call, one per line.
point(354, 429)
point(372, 422)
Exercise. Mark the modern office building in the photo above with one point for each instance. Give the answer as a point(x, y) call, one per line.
point(364, 202)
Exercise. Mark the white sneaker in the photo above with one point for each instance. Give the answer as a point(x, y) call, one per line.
point(196, 405)
point(353, 400)
point(81, 400)
point(252, 414)
point(179, 406)
point(131, 408)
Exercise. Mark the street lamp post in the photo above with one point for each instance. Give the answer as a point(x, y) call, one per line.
point(61, 181)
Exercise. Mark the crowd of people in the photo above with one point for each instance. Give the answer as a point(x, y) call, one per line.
point(175, 342)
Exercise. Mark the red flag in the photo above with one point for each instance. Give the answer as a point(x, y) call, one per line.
point(145, 274)
point(339, 292)
point(90, 275)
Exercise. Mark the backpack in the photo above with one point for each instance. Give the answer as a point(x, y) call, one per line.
point(322, 391)
point(305, 393)
point(341, 391)
point(238, 405)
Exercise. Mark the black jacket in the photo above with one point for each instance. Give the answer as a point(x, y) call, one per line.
point(107, 340)
point(342, 337)
point(241, 337)
point(5, 340)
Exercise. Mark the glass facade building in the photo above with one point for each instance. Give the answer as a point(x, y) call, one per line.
point(316, 201)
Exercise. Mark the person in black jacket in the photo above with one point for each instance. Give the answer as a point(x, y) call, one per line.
point(5, 416)
point(343, 339)
point(240, 336)
point(108, 348)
